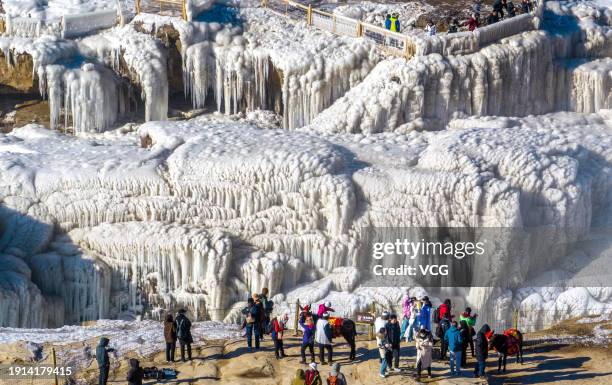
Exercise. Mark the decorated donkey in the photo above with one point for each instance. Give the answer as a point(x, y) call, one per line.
point(507, 344)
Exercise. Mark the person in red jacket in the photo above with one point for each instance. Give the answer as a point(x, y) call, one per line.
point(445, 309)
point(472, 23)
point(279, 325)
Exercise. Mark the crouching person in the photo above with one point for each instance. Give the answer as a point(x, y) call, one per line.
point(135, 374)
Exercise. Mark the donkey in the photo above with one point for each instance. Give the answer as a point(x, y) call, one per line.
point(507, 344)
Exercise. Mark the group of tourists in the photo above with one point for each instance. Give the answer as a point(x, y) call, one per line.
point(502, 9)
point(455, 336)
point(415, 324)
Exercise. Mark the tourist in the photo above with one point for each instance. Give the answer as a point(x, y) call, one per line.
point(381, 323)
point(454, 26)
point(445, 310)
point(476, 7)
point(335, 376)
point(471, 322)
point(453, 339)
point(268, 306)
point(425, 314)
point(102, 351)
point(406, 310)
point(511, 9)
point(308, 327)
point(493, 18)
point(170, 337)
point(261, 315)
point(312, 375)
point(465, 341)
point(395, 337)
point(323, 337)
point(498, 8)
point(424, 347)
point(324, 308)
point(251, 313)
point(300, 378)
point(385, 350)
point(279, 325)
point(443, 327)
point(526, 6)
point(414, 311)
point(135, 374)
point(430, 28)
point(482, 351)
point(395, 24)
point(388, 22)
point(473, 22)
point(183, 333)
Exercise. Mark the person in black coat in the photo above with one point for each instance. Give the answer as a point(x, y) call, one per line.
point(135, 374)
point(183, 332)
point(498, 7)
point(251, 314)
point(482, 350)
point(394, 334)
point(466, 336)
point(102, 351)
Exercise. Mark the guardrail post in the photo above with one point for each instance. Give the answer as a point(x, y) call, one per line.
point(54, 366)
point(359, 29)
point(184, 10)
point(515, 318)
point(296, 318)
point(137, 4)
point(309, 15)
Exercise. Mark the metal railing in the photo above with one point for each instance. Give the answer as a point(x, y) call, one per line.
point(391, 42)
point(162, 7)
point(395, 43)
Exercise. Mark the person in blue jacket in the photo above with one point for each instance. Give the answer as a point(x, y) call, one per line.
point(308, 326)
point(388, 22)
point(425, 314)
point(455, 344)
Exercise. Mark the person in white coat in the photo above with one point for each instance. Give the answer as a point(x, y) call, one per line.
point(379, 323)
point(323, 338)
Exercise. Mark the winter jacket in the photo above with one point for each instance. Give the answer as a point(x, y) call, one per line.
point(323, 334)
point(278, 329)
point(424, 347)
point(481, 346)
point(431, 29)
point(309, 333)
point(406, 307)
point(102, 353)
point(313, 377)
point(498, 6)
point(465, 333)
point(183, 328)
point(169, 331)
point(469, 319)
point(135, 374)
point(511, 9)
point(379, 323)
point(453, 339)
point(425, 317)
point(444, 309)
point(526, 6)
point(394, 333)
point(443, 328)
point(299, 378)
point(388, 23)
point(384, 345)
point(492, 19)
point(472, 24)
point(261, 312)
point(340, 379)
point(323, 309)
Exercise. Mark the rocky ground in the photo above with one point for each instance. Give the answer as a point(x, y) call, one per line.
point(228, 362)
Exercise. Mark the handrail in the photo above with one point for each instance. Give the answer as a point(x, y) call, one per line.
point(392, 42)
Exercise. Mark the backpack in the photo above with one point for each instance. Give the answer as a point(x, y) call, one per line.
point(436, 315)
point(332, 380)
point(272, 328)
point(249, 317)
point(181, 331)
point(311, 376)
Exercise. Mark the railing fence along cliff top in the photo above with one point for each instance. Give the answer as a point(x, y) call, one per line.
point(402, 45)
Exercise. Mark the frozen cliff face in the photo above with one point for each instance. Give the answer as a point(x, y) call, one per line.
point(151, 228)
point(272, 64)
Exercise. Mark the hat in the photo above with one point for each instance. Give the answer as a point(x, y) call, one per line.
point(385, 314)
point(327, 304)
point(313, 365)
point(325, 315)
